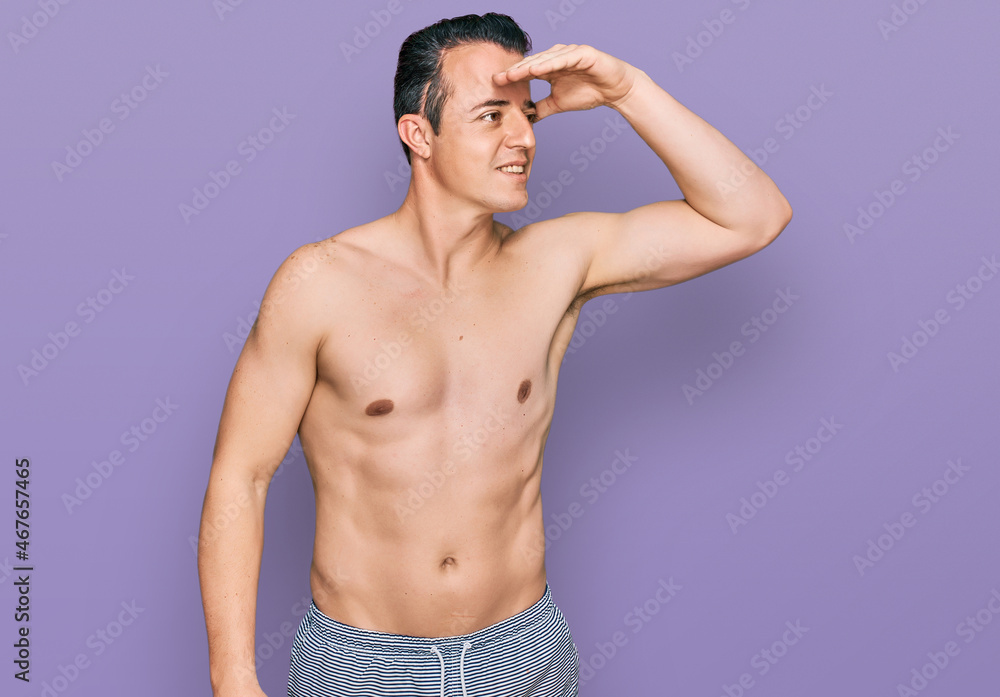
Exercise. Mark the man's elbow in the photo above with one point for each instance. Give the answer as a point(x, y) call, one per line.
point(769, 230)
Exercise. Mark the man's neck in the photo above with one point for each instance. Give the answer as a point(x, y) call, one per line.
point(443, 240)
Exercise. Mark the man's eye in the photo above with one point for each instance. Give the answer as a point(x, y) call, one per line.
point(531, 117)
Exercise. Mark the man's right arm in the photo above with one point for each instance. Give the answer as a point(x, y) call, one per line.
point(267, 396)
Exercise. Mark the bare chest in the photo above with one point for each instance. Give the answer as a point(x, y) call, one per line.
point(398, 347)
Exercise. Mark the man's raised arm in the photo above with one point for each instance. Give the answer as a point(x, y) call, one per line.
point(267, 396)
point(730, 208)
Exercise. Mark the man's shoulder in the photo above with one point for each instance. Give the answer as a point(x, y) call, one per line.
point(309, 261)
point(326, 259)
point(302, 293)
point(550, 235)
point(314, 270)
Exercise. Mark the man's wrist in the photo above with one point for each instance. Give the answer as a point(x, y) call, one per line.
point(640, 82)
point(234, 681)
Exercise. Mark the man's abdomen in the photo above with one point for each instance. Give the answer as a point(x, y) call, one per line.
point(438, 551)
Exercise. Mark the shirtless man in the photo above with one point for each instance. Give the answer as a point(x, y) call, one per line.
point(428, 574)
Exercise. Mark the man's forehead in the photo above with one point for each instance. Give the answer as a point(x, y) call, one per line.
point(470, 69)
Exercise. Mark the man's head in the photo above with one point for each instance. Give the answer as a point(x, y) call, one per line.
point(443, 79)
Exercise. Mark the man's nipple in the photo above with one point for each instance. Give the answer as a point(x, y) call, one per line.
point(379, 407)
point(523, 391)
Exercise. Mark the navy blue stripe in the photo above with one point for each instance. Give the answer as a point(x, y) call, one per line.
point(529, 654)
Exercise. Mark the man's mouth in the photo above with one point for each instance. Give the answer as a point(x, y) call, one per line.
point(512, 169)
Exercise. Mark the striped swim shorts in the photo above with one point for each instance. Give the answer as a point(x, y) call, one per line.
point(531, 654)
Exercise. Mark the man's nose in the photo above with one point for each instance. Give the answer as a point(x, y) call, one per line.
point(521, 134)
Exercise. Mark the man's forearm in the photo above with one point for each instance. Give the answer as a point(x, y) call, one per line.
point(230, 545)
point(715, 177)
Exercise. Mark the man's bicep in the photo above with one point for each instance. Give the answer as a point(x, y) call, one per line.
point(654, 246)
point(274, 376)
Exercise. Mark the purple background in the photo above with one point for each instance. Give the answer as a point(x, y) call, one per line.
point(196, 283)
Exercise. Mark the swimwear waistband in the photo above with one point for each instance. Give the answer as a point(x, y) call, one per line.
point(360, 639)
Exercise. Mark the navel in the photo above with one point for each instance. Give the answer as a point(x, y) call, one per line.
point(379, 407)
point(448, 561)
point(523, 391)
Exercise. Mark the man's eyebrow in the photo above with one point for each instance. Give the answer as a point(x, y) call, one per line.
point(527, 104)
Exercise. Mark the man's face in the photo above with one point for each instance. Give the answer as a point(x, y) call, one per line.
point(477, 139)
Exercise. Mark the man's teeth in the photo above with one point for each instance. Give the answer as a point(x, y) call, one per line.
point(516, 169)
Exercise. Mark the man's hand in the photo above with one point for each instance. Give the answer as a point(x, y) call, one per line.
point(581, 78)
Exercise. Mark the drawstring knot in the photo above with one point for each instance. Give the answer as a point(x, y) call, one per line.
point(461, 667)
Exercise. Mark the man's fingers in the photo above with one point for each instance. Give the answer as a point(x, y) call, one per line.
point(522, 69)
point(544, 108)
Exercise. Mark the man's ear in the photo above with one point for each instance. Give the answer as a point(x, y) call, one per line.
point(413, 130)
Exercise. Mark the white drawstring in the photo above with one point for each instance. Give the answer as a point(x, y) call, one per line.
point(461, 667)
point(438, 652)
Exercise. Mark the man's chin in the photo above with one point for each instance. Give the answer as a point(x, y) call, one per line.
point(513, 205)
